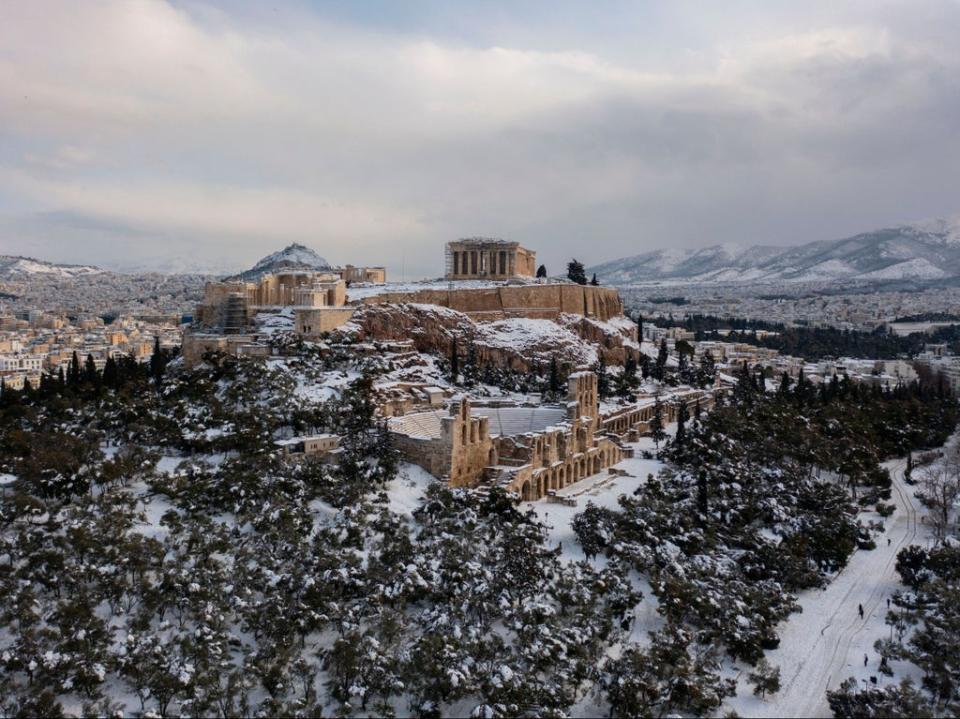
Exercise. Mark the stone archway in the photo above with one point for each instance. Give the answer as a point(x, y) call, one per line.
point(525, 492)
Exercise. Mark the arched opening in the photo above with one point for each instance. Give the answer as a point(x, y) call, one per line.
point(525, 492)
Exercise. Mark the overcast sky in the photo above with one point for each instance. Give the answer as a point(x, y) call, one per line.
point(209, 134)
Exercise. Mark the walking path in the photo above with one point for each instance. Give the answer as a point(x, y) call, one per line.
point(826, 644)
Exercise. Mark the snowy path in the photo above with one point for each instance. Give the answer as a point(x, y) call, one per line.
point(825, 645)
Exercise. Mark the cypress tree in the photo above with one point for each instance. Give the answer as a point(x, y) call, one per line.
point(75, 369)
point(656, 423)
point(696, 410)
point(90, 374)
point(702, 506)
point(110, 373)
point(454, 361)
point(603, 381)
point(682, 417)
point(554, 380)
point(662, 355)
point(644, 366)
point(784, 384)
point(593, 281)
point(157, 361)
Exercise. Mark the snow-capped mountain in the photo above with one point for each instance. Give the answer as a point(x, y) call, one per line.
point(927, 250)
point(22, 268)
point(292, 257)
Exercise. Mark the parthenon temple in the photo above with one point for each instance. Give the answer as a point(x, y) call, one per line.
point(488, 258)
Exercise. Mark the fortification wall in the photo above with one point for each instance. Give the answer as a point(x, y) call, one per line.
point(535, 301)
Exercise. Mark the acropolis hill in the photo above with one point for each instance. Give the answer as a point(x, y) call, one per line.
point(494, 283)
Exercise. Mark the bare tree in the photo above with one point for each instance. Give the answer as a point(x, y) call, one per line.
point(940, 491)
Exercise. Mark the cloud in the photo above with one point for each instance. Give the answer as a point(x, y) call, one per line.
point(377, 145)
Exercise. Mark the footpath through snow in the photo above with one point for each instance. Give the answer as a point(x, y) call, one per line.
point(826, 644)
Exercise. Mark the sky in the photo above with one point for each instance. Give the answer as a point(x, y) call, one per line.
point(202, 135)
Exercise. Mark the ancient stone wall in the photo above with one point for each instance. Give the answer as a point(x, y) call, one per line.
point(535, 301)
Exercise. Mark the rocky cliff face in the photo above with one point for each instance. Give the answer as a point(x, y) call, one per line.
point(522, 344)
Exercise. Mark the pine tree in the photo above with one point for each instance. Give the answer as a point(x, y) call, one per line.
point(576, 273)
point(542, 272)
point(765, 678)
point(593, 280)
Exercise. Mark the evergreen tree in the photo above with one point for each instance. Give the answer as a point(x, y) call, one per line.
point(765, 678)
point(784, 385)
point(454, 361)
point(682, 417)
point(90, 374)
point(644, 366)
point(593, 280)
point(696, 410)
point(471, 369)
point(603, 380)
point(702, 500)
point(542, 272)
point(745, 388)
point(111, 375)
point(659, 369)
point(708, 370)
point(555, 385)
point(628, 378)
point(158, 362)
point(61, 380)
point(656, 423)
point(576, 273)
point(640, 327)
point(75, 369)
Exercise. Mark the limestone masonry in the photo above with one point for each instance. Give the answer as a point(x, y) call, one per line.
point(488, 258)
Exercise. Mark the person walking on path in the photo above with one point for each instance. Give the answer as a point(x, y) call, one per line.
point(860, 609)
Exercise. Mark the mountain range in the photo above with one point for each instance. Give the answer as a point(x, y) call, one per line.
point(14, 267)
point(928, 250)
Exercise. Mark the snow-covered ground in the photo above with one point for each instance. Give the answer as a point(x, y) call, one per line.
point(602, 489)
point(826, 643)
